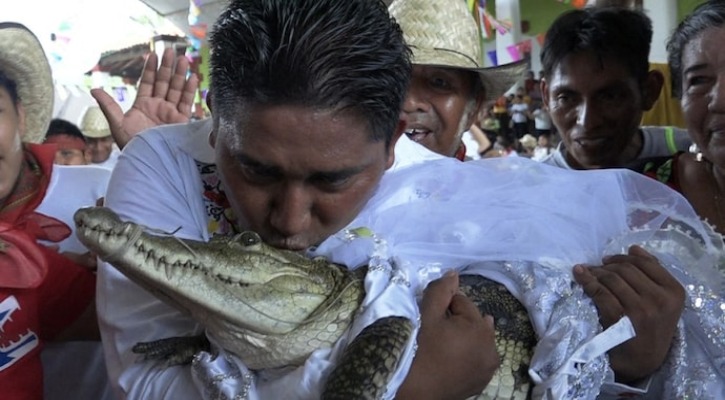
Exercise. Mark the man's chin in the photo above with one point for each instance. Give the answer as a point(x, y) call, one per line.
point(580, 160)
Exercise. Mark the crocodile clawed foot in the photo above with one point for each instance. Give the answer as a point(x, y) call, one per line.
point(173, 351)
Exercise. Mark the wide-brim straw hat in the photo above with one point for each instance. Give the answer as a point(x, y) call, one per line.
point(443, 33)
point(23, 60)
point(94, 123)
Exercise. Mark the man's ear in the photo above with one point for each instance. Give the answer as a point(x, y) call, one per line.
point(652, 89)
point(208, 100)
point(399, 129)
point(212, 136)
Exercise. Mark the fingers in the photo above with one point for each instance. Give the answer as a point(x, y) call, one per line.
point(178, 79)
point(111, 110)
point(634, 284)
point(437, 296)
point(645, 262)
point(608, 304)
point(148, 77)
point(187, 96)
point(461, 305)
point(164, 74)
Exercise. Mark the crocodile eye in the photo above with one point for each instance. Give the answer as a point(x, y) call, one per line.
point(249, 238)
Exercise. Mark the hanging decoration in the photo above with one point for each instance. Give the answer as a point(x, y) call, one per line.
point(487, 22)
point(575, 3)
point(493, 57)
point(514, 52)
point(197, 29)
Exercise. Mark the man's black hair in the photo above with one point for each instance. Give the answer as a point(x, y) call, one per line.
point(62, 127)
point(612, 33)
point(709, 14)
point(324, 54)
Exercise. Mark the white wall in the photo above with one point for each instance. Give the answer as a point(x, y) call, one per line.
point(664, 20)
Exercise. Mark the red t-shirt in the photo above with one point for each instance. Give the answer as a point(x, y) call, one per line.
point(28, 317)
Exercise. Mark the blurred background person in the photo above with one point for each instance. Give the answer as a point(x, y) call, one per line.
point(69, 141)
point(100, 148)
point(544, 147)
point(542, 121)
point(520, 113)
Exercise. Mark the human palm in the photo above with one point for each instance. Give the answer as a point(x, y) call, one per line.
point(164, 96)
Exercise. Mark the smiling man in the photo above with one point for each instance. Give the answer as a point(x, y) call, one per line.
point(597, 84)
point(449, 86)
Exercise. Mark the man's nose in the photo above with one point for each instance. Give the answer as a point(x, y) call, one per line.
point(291, 209)
point(588, 114)
point(717, 96)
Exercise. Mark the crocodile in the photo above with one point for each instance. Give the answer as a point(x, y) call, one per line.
point(273, 307)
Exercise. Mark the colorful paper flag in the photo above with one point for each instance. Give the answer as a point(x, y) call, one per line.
point(514, 52)
point(493, 57)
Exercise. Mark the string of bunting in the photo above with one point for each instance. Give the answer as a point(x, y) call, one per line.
point(487, 24)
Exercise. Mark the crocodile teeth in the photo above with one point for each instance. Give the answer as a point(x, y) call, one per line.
point(168, 268)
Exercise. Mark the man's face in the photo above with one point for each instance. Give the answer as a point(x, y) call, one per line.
point(597, 108)
point(297, 175)
point(12, 127)
point(440, 105)
point(99, 149)
point(703, 93)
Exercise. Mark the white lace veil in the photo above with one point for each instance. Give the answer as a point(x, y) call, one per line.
point(526, 225)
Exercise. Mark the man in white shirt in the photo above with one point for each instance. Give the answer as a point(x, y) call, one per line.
point(449, 86)
point(100, 147)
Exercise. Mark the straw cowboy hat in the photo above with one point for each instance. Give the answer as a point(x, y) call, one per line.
point(95, 124)
point(23, 61)
point(443, 33)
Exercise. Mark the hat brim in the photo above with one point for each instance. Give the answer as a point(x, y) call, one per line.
point(23, 60)
point(96, 134)
point(496, 80)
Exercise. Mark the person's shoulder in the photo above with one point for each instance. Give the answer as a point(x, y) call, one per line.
point(408, 152)
point(659, 131)
point(556, 158)
point(170, 140)
point(663, 140)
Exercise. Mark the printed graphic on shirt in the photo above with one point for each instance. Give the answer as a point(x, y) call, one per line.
point(12, 348)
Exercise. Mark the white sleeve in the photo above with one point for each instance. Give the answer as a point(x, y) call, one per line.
point(152, 184)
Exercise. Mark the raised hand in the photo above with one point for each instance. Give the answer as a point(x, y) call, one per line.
point(456, 356)
point(635, 285)
point(164, 96)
